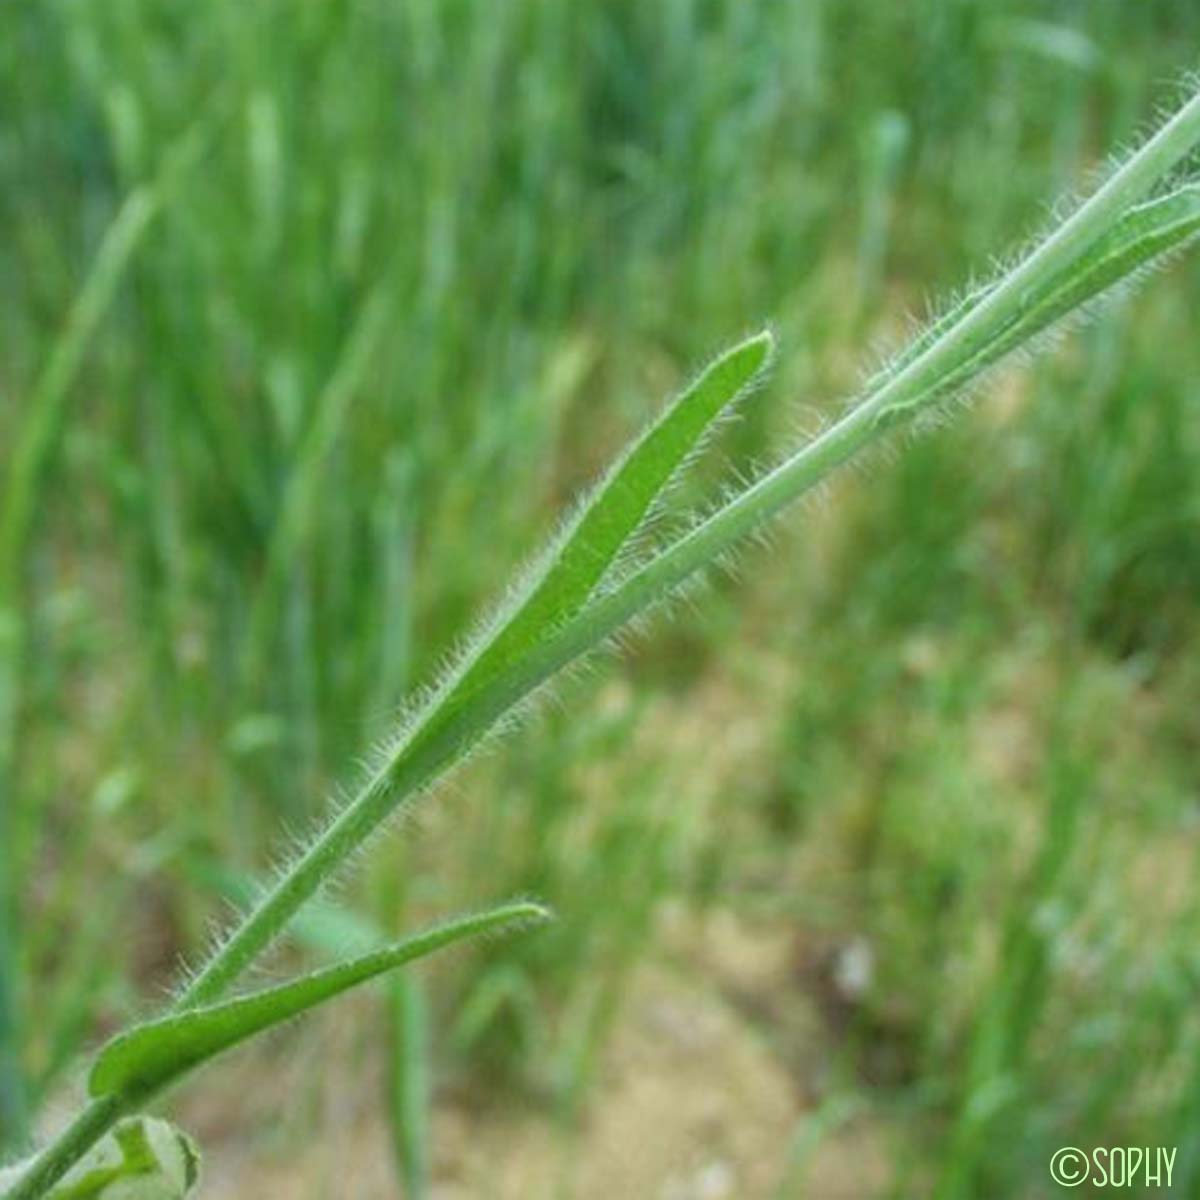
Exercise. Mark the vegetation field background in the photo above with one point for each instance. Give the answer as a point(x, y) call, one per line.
point(874, 868)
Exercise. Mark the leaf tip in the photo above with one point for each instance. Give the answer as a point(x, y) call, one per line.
point(529, 912)
point(761, 348)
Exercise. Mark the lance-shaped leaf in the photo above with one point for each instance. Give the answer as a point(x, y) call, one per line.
point(153, 1055)
point(143, 1158)
point(617, 508)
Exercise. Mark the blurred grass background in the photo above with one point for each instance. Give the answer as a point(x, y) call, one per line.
point(405, 274)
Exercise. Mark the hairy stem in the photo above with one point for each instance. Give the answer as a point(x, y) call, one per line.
point(434, 744)
point(444, 733)
point(89, 1126)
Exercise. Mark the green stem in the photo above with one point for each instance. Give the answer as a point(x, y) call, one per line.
point(1021, 286)
point(434, 744)
point(88, 1127)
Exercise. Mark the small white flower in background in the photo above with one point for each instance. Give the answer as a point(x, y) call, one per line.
point(854, 968)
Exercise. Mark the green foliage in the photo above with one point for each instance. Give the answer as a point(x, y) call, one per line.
point(152, 1056)
point(1139, 238)
point(141, 1159)
point(494, 675)
point(616, 511)
point(349, 366)
point(1096, 247)
point(32, 453)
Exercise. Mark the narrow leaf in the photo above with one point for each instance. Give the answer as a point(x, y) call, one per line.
point(151, 1056)
point(618, 507)
point(300, 499)
point(408, 1082)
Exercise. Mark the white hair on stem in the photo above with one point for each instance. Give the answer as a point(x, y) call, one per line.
point(943, 369)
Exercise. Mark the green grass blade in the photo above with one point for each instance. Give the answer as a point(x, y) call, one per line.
point(30, 460)
point(303, 490)
point(47, 405)
point(32, 453)
point(40, 430)
point(408, 1082)
point(151, 1056)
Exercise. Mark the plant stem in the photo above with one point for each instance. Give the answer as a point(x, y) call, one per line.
point(440, 739)
point(88, 1127)
point(416, 760)
point(1020, 286)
